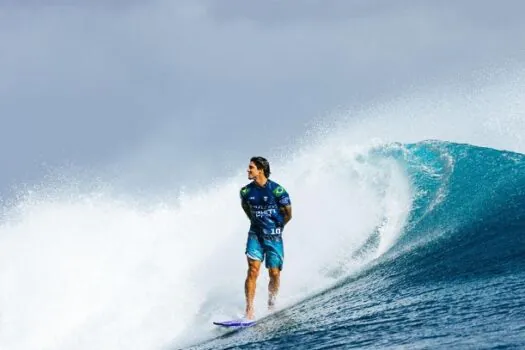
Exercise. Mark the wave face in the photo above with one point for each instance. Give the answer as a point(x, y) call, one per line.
point(455, 276)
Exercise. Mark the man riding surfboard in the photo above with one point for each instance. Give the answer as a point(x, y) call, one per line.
point(267, 204)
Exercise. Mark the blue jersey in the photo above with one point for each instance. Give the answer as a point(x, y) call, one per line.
point(265, 203)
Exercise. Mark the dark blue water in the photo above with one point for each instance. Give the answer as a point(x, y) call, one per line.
point(455, 278)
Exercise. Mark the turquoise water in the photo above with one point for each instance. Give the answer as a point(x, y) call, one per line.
point(455, 278)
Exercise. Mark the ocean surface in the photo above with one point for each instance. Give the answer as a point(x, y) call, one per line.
point(453, 278)
point(398, 129)
point(393, 245)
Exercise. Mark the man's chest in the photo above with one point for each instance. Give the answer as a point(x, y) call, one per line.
point(261, 198)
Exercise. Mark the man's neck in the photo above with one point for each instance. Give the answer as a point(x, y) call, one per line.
point(261, 181)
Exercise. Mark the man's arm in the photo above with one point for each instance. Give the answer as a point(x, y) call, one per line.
point(246, 209)
point(287, 213)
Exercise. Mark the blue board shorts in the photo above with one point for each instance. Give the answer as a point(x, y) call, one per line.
point(266, 247)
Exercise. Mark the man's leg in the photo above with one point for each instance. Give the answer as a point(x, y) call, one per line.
point(273, 286)
point(249, 286)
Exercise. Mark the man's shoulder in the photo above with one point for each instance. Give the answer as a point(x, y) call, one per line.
point(245, 189)
point(277, 189)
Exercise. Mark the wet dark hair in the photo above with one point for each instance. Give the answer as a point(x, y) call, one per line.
point(262, 163)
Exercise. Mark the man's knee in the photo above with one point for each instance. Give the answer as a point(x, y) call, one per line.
point(253, 271)
point(274, 273)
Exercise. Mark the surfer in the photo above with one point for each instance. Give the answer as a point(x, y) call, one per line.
point(268, 206)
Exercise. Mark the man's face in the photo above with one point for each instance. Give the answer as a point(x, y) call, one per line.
point(253, 172)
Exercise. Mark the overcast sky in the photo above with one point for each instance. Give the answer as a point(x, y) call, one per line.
point(171, 91)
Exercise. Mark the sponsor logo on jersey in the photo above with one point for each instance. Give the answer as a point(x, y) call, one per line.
point(265, 213)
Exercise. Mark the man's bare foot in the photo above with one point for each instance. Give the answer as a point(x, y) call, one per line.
point(250, 314)
point(271, 304)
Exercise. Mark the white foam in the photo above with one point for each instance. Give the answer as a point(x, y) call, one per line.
point(88, 271)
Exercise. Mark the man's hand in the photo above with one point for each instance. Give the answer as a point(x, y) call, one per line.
point(287, 214)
